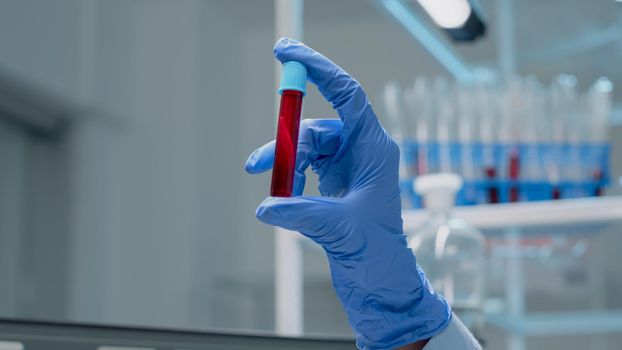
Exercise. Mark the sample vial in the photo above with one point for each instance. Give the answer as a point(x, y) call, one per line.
point(292, 88)
point(514, 173)
point(492, 192)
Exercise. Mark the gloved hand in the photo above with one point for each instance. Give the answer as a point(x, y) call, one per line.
point(357, 220)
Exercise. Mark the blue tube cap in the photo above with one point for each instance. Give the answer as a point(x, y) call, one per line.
point(293, 77)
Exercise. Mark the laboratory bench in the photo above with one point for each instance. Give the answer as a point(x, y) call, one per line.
point(42, 335)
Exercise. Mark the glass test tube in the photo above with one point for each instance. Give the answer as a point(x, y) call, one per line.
point(392, 96)
point(422, 133)
point(558, 132)
point(466, 137)
point(292, 89)
point(486, 105)
point(513, 107)
point(443, 96)
point(286, 144)
point(529, 130)
point(600, 108)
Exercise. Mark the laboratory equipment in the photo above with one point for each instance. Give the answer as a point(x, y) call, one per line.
point(598, 105)
point(513, 141)
point(486, 104)
point(374, 273)
point(418, 113)
point(397, 127)
point(512, 108)
point(536, 284)
point(444, 103)
point(450, 250)
point(554, 153)
point(292, 89)
point(574, 125)
point(532, 131)
point(422, 115)
point(467, 146)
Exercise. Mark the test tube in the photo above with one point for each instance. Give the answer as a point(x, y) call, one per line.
point(292, 88)
point(513, 106)
point(393, 109)
point(392, 96)
point(487, 108)
point(444, 124)
point(574, 124)
point(599, 108)
point(528, 129)
point(466, 136)
point(422, 115)
point(600, 104)
point(558, 128)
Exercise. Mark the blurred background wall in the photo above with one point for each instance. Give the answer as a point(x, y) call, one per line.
point(138, 210)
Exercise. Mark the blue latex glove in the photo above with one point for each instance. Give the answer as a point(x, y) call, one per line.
point(357, 220)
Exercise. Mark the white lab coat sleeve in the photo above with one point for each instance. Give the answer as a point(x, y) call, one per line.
point(455, 336)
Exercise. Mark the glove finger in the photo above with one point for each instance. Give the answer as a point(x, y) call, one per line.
point(317, 138)
point(344, 93)
point(261, 160)
point(322, 219)
point(299, 183)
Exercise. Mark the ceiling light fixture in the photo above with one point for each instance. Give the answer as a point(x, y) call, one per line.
point(459, 18)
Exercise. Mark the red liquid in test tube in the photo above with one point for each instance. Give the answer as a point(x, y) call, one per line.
point(557, 193)
point(292, 88)
point(514, 172)
point(598, 176)
point(492, 191)
point(286, 143)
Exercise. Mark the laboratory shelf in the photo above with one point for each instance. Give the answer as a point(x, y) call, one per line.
point(559, 323)
point(568, 216)
point(565, 212)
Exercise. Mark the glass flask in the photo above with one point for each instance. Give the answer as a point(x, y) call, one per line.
point(450, 251)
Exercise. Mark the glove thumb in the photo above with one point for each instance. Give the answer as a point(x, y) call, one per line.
point(308, 215)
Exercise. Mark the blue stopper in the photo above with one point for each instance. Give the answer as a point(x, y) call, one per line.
point(293, 77)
